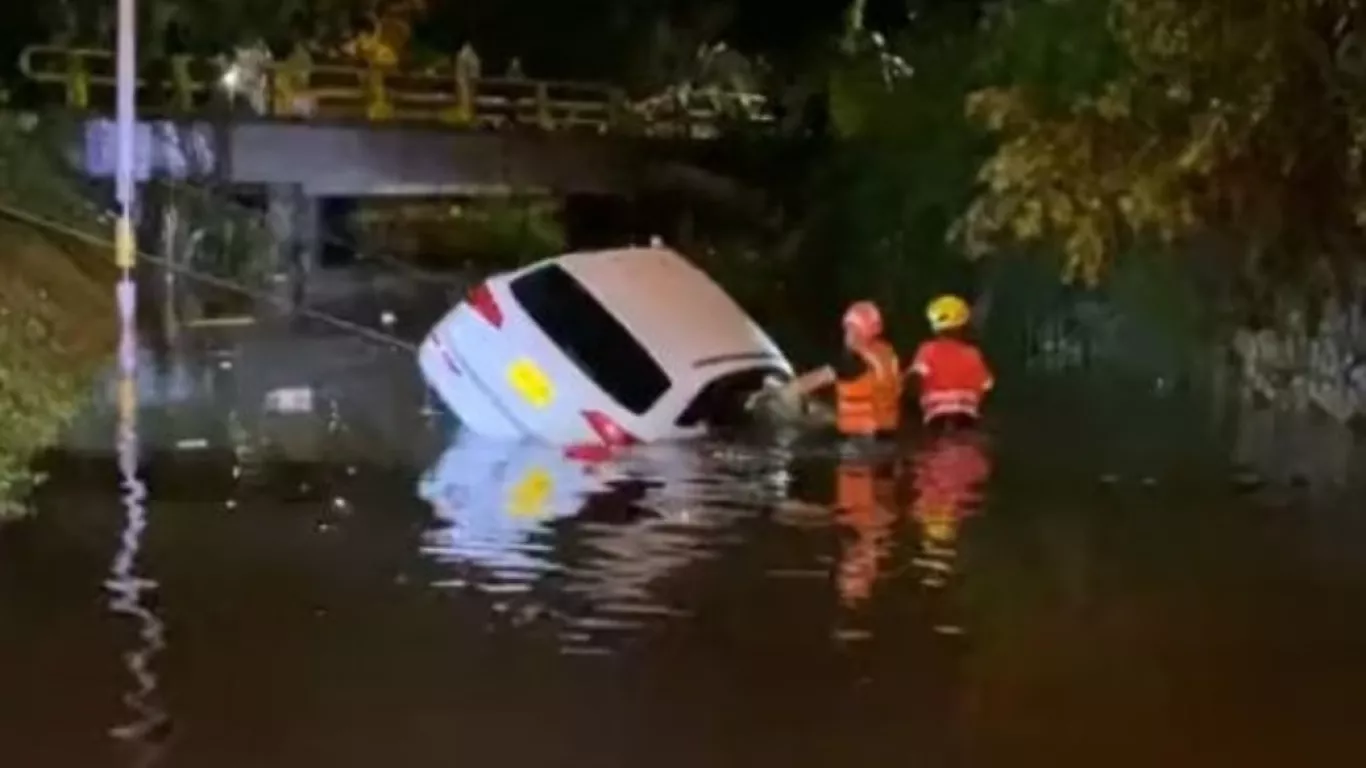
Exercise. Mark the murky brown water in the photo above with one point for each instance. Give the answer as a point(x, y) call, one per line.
point(1059, 591)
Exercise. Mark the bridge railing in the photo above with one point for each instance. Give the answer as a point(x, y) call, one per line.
point(293, 91)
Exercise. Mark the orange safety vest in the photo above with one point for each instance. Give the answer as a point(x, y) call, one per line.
point(871, 403)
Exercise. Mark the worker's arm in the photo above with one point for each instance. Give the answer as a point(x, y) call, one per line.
point(795, 390)
point(812, 381)
point(850, 366)
point(918, 367)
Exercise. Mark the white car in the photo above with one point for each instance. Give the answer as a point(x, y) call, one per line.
point(614, 347)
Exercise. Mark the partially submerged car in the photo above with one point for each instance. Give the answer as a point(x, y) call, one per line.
point(613, 347)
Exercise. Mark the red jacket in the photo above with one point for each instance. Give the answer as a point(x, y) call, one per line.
point(953, 377)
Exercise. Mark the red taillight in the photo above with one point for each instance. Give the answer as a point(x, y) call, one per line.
point(588, 454)
point(608, 431)
point(481, 301)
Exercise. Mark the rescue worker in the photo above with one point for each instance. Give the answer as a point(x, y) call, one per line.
point(952, 373)
point(867, 382)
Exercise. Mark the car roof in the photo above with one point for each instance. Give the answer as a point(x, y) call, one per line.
point(674, 308)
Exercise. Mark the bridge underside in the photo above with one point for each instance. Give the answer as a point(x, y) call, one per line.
point(363, 159)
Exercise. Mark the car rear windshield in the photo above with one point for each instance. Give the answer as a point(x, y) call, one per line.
point(600, 345)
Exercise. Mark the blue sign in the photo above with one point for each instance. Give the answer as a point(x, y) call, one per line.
point(161, 147)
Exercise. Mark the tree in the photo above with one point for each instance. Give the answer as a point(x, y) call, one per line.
point(1242, 125)
point(899, 167)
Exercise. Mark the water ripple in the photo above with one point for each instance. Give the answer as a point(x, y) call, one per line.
point(595, 544)
point(149, 720)
point(607, 549)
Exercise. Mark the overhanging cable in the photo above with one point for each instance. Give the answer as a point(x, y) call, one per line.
point(218, 282)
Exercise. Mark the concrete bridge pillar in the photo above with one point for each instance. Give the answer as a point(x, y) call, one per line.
point(295, 223)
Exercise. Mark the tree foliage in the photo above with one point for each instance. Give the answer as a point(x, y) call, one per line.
point(1243, 122)
point(209, 27)
point(56, 295)
point(899, 167)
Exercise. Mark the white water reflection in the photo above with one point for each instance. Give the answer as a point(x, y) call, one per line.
point(148, 719)
point(493, 501)
point(592, 544)
point(606, 548)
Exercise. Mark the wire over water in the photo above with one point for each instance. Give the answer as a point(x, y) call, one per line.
point(211, 280)
point(325, 237)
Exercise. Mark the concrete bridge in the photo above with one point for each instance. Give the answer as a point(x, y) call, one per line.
point(346, 131)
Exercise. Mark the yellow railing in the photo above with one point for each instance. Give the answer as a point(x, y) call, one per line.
point(289, 90)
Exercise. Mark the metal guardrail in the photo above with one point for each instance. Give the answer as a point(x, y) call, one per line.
point(291, 91)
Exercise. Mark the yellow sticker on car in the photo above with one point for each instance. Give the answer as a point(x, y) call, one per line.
point(529, 381)
point(529, 497)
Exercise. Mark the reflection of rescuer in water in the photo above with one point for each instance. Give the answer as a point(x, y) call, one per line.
point(953, 378)
point(945, 476)
point(946, 486)
point(865, 495)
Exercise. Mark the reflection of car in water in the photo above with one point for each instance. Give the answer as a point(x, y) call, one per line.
point(609, 347)
point(505, 508)
point(492, 497)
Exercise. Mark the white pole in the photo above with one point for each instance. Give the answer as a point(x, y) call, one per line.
point(126, 586)
point(125, 249)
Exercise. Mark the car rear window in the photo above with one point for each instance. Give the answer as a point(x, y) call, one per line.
point(600, 345)
point(721, 403)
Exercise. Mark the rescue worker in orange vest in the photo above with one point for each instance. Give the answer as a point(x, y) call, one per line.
point(953, 374)
point(867, 382)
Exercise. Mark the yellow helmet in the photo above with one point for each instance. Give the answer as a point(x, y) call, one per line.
point(947, 313)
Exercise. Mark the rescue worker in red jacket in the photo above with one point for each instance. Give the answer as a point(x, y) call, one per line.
point(953, 374)
point(867, 381)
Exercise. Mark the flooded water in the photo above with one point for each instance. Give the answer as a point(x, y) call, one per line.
point(1085, 582)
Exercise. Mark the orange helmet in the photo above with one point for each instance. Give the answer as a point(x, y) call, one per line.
point(864, 319)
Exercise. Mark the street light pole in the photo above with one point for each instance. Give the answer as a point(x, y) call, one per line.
point(125, 248)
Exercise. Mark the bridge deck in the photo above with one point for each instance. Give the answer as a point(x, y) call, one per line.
point(351, 131)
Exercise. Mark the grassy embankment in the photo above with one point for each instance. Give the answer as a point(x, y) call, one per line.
point(56, 307)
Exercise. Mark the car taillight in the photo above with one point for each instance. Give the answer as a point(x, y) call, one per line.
point(608, 431)
point(481, 301)
point(588, 455)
